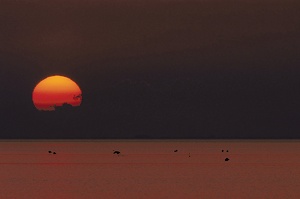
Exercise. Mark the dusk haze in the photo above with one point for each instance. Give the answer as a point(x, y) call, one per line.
point(149, 99)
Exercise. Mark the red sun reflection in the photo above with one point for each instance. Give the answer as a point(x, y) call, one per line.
point(55, 91)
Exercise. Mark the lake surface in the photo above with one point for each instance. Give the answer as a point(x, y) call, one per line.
point(150, 169)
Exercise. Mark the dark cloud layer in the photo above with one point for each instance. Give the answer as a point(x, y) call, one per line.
point(157, 69)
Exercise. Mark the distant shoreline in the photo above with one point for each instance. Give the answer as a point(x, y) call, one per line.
point(149, 140)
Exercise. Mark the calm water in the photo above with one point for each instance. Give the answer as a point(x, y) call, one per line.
point(150, 169)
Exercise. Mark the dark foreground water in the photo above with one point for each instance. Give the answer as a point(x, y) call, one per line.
point(150, 169)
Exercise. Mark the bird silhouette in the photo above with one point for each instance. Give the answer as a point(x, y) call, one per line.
point(117, 152)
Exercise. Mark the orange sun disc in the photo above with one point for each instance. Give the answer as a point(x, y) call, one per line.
point(55, 91)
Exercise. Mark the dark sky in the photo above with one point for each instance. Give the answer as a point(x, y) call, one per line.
point(153, 69)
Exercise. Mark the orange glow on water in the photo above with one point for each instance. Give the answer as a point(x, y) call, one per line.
point(55, 91)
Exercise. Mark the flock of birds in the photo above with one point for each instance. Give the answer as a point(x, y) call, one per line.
point(226, 159)
point(119, 152)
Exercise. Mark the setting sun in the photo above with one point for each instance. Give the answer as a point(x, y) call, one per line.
point(55, 91)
